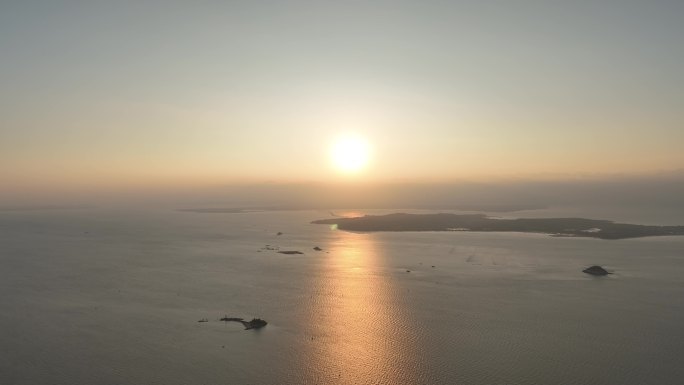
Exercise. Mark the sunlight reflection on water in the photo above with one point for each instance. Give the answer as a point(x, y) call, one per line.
point(359, 337)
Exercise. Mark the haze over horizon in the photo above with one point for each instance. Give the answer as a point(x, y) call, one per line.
point(132, 96)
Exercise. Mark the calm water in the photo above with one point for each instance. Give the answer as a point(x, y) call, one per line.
point(113, 297)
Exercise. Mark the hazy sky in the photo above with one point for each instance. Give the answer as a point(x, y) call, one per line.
point(117, 92)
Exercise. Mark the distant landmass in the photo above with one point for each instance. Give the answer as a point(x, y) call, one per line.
point(45, 207)
point(561, 227)
point(480, 208)
point(220, 210)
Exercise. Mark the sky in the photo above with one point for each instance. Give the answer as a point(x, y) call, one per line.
point(103, 94)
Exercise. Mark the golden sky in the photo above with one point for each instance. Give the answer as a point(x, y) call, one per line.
point(118, 93)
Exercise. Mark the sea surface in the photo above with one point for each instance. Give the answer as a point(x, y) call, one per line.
point(112, 296)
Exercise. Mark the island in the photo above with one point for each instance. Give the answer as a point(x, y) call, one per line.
point(559, 227)
point(255, 323)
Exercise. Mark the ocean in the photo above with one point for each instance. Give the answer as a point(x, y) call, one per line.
point(113, 296)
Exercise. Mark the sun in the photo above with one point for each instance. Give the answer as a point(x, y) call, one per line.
point(350, 153)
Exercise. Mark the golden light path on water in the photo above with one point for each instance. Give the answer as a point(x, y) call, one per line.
point(362, 336)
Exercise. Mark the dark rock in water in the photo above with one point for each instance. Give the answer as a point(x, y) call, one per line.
point(596, 270)
point(290, 252)
point(318, 248)
point(203, 320)
point(255, 323)
point(408, 271)
point(279, 233)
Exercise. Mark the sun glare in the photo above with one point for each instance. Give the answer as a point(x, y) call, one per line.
point(350, 153)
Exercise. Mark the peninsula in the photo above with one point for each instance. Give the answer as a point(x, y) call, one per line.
point(560, 227)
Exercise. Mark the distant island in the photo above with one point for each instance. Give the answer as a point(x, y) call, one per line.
point(560, 227)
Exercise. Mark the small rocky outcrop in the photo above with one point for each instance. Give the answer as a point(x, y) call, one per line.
point(317, 248)
point(290, 252)
point(255, 323)
point(596, 270)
